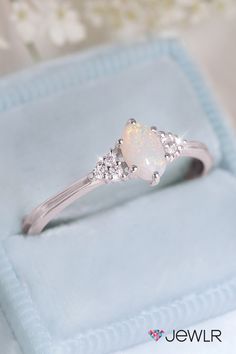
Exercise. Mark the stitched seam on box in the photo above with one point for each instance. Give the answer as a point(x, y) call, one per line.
point(203, 303)
point(86, 71)
point(23, 307)
point(120, 333)
point(111, 63)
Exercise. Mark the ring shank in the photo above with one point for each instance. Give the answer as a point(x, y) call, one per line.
point(35, 222)
point(200, 152)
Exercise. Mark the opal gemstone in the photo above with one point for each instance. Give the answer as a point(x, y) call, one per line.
point(143, 148)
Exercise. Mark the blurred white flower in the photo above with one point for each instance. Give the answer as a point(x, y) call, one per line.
point(131, 22)
point(126, 19)
point(200, 12)
point(227, 6)
point(3, 43)
point(186, 3)
point(137, 18)
point(94, 12)
point(175, 15)
point(63, 24)
point(26, 20)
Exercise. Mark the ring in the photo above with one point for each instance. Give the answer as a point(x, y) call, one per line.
point(142, 152)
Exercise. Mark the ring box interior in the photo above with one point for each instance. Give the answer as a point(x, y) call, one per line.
point(127, 257)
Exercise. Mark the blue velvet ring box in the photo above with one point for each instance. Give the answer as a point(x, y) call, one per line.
point(126, 258)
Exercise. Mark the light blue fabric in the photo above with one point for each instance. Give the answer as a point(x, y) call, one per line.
point(9, 344)
point(137, 258)
point(71, 127)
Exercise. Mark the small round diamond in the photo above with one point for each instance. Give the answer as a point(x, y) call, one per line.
point(111, 167)
point(172, 145)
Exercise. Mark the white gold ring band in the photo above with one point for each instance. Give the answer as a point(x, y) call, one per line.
point(142, 152)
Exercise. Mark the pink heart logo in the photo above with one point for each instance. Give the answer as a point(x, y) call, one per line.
point(156, 334)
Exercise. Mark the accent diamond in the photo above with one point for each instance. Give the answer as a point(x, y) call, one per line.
point(111, 167)
point(172, 145)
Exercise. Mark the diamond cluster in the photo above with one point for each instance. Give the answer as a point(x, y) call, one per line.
point(173, 145)
point(111, 167)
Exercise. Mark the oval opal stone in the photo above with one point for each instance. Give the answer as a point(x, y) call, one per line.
point(143, 148)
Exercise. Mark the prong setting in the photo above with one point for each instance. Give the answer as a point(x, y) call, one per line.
point(161, 134)
point(133, 169)
point(155, 179)
point(120, 142)
point(132, 121)
point(154, 129)
point(124, 177)
point(173, 145)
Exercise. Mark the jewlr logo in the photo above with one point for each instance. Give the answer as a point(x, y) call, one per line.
point(156, 334)
point(192, 336)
